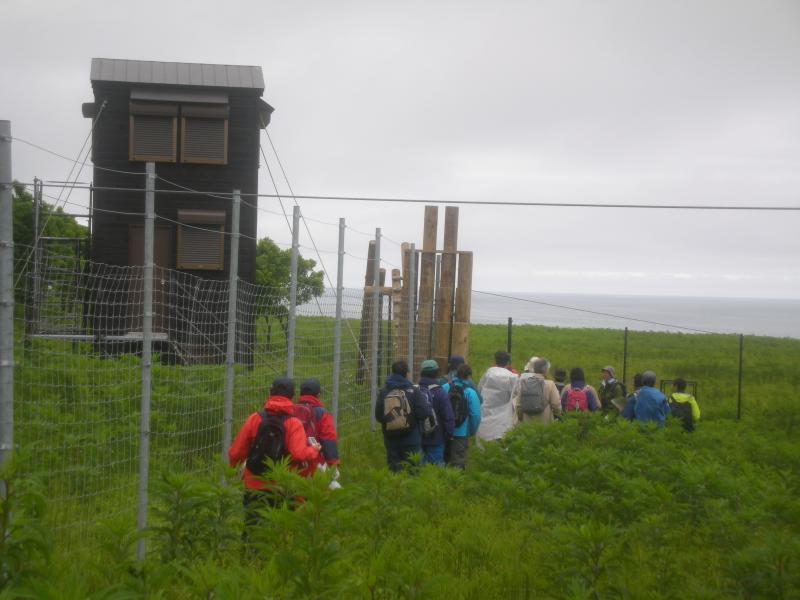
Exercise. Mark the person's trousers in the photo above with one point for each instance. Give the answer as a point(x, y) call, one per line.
point(455, 452)
point(433, 455)
point(399, 457)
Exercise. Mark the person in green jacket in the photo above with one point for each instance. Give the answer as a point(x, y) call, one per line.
point(610, 390)
point(683, 405)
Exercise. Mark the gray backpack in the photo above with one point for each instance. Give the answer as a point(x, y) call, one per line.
point(531, 395)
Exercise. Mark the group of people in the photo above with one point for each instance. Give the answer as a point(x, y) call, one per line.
point(304, 433)
point(435, 417)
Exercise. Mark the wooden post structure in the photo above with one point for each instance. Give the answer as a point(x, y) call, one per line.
point(447, 285)
point(366, 317)
point(426, 284)
point(460, 344)
point(400, 292)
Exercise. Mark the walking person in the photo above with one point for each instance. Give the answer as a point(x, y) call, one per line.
point(610, 390)
point(496, 387)
point(272, 433)
point(400, 410)
point(466, 413)
point(318, 423)
point(535, 398)
point(649, 404)
point(440, 424)
point(578, 395)
point(683, 405)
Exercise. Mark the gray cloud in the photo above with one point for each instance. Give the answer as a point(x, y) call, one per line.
point(621, 101)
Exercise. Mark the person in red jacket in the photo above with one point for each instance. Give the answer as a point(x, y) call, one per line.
point(325, 428)
point(295, 443)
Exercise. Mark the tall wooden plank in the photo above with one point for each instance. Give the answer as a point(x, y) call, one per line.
point(400, 305)
point(463, 305)
point(365, 334)
point(426, 284)
point(398, 338)
point(447, 282)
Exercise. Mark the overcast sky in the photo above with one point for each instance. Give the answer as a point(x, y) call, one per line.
point(613, 102)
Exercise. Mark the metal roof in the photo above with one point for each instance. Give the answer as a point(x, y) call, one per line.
point(174, 73)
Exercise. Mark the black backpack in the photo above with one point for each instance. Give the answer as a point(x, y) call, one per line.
point(683, 412)
point(268, 443)
point(459, 403)
point(429, 424)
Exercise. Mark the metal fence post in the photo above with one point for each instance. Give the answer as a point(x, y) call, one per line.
point(741, 362)
point(337, 328)
point(625, 359)
point(376, 306)
point(6, 300)
point(230, 358)
point(412, 304)
point(147, 330)
point(293, 291)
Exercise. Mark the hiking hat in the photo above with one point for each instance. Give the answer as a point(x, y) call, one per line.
point(310, 387)
point(282, 384)
point(610, 370)
point(429, 365)
point(455, 362)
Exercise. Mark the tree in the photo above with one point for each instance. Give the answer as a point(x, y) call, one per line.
point(273, 267)
point(54, 221)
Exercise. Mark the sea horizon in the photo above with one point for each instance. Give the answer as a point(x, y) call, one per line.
point(774, 317)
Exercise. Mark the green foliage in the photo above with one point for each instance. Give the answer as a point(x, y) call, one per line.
point(273, 270)
point(585, 508)
point(24, 548)
point(54, 221)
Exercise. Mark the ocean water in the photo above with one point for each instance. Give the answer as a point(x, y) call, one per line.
point(770, 317)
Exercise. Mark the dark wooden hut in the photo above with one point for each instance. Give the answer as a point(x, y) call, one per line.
point(200, 124)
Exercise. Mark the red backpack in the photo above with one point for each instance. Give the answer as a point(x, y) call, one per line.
point(309, 416)
point(577, 400)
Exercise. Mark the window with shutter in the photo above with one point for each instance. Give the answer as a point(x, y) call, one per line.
point(204, 134)
point(153, 132)
point(201, 242)
point(204, 141)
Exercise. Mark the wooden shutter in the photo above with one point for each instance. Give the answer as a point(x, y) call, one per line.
point(204, 140)
point(152, 137)
point(201, 244)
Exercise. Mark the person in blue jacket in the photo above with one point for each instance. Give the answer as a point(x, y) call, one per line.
point(433, 443)
point(403, 443)
point(648, 404)
point(455, 453)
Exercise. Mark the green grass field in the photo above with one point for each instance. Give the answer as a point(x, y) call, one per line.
point(581, 509)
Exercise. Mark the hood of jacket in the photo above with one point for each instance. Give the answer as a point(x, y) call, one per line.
point(681, 397)
point(310, 400)
point(395, 381)
point(280, 405)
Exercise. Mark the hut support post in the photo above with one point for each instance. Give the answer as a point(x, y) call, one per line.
point(147, 332)
point(230, 351)
point(337, 327)
point(293, 291)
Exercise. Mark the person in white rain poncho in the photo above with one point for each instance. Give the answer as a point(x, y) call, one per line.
point(495, 387)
